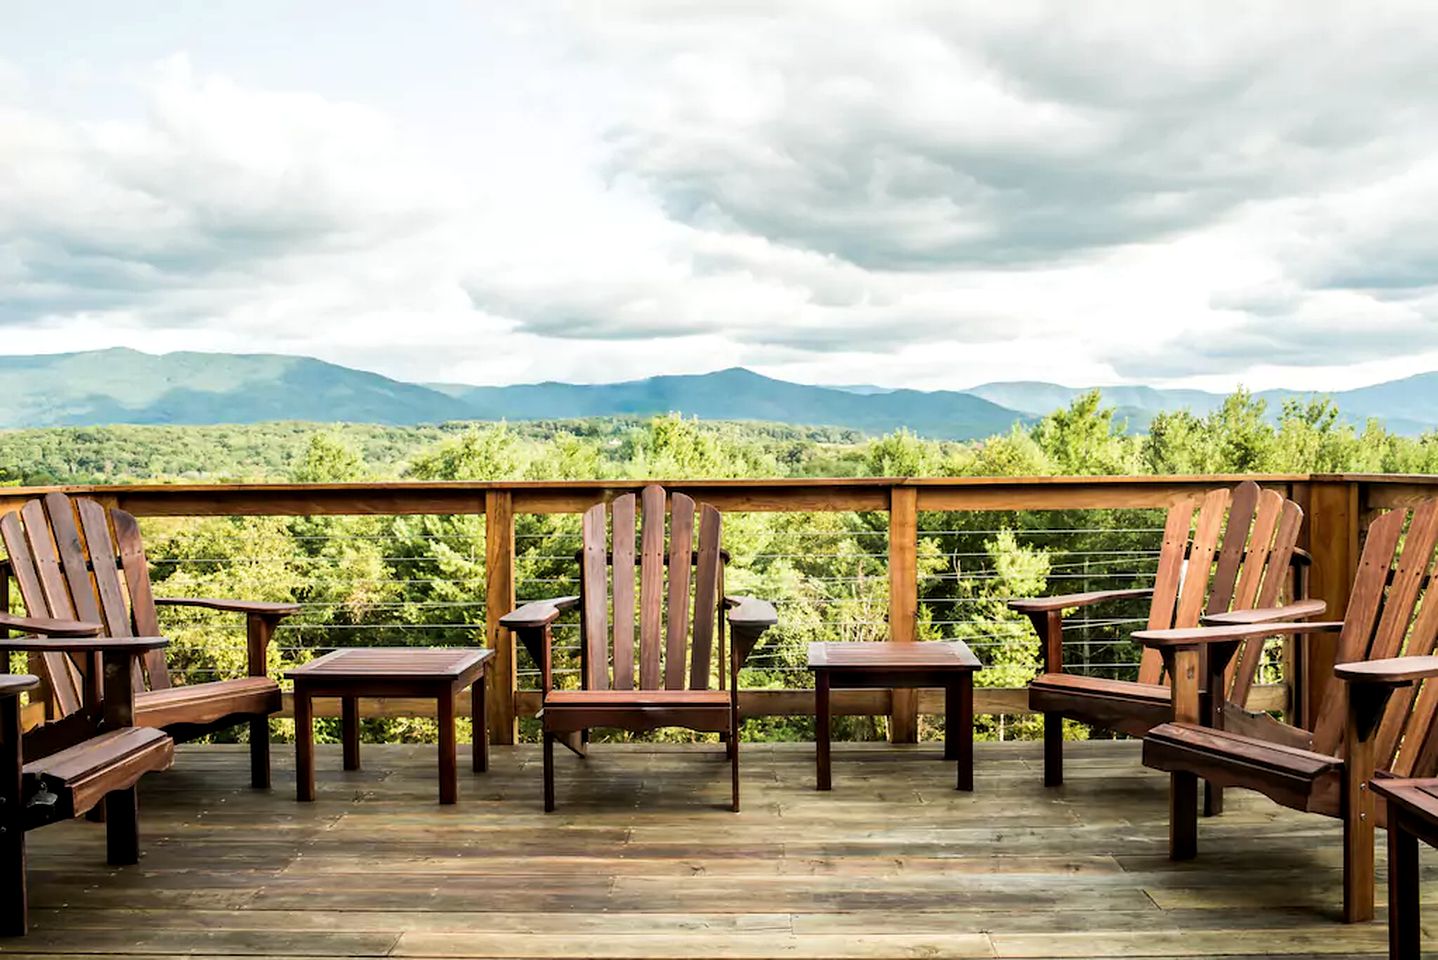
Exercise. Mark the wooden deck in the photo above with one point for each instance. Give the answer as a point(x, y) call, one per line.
point(643, 860)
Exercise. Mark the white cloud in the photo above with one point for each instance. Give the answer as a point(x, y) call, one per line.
point(920, 194)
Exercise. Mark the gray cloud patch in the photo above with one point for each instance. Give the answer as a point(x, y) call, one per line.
point(974, 138)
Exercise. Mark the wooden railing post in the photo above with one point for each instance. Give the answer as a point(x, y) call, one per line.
point(1334, 519)
point(499, 600)
point(904, 601)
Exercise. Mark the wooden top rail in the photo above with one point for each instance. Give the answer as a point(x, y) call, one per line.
point(773, 494)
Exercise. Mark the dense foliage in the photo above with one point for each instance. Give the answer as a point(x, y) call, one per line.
point(373, 580)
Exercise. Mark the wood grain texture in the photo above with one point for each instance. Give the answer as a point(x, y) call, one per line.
point(621, 513)
point(651, 587)
point(904, 601)
point(593, 574)
point(681, 546)
point(706, 596)
point(503, 674)
point(642, 861)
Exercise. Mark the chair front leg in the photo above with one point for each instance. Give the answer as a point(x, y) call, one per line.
point(1212, 702)
point(548, 772)
point(1366, 704)
point(1050, 628)
point(1182, 665)
point(259, 631)
point(13, 905)
point(122, 827)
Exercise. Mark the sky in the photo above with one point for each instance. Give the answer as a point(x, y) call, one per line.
point(930, 195)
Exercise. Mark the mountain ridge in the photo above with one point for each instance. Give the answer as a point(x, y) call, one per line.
point(121, 385)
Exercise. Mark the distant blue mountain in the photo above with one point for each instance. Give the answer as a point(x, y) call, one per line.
point(127, 386)
point(1408, 406)
point(739, 394)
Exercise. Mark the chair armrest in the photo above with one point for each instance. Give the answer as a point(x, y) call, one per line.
point(1198, 636)
point(261, 608)
point(49, 627)
point(540, 613)
point(83, 644)
point(1393, 671)
point(1068, 601)
point(750, 613)
point(531, 624)
point(749, 618)
point(14, 684)
point(1290, 611)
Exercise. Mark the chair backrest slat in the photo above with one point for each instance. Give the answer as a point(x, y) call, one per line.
point(622, 515)
point(706, 588)
point(130, 548)
point(651, 586)
point(1359, 621)
point(1280, 558)
point(681, 547)
point(47, 562)
point(101, 550)
point(61, 673)
point(1400, 632)
point(1403, 712)
point(596, 600)
point(1269, 509)
point(1235, 541)
point(100, 547)
point(1267, 568)
point(1165, 584)
point(71, 552)
point(1407, 580)
point(1197, 574)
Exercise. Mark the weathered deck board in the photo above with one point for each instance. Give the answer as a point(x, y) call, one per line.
point(643, 859)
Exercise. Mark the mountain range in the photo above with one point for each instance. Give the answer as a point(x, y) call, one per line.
point(127, 386)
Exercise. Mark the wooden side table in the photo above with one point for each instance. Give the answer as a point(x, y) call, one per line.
point(390, 672)
point(1412, 816)
point(948, 664)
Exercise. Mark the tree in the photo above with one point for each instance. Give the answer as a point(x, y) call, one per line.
point(1085, 439)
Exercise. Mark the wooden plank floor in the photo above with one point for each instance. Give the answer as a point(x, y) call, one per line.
point(643, 860)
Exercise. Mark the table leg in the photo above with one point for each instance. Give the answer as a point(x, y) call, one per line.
point(304, 745)
point(1404, 931)
point(481, 726)
point(448, 759)
point(349, 731)
point(821, 725)
point(959, 728)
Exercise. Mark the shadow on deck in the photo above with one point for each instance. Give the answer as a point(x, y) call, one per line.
point(643, 859)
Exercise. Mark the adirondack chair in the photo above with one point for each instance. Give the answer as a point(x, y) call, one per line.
point(63, 556)
point(663, 696)
point(1376, 716)
point(90, 759)
point(1256, 559)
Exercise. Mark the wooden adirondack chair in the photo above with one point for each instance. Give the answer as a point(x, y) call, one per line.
point(1250, 568)
point(67, 767)
point(663, 696)
point(62, 554)
point(1377, 716)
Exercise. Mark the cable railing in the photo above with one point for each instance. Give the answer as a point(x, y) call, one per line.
point(852, 559)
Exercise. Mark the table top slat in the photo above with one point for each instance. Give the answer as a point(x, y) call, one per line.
point(892, 655)
point(397, 662)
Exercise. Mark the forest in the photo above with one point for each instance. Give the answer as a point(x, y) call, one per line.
point(420, 580)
